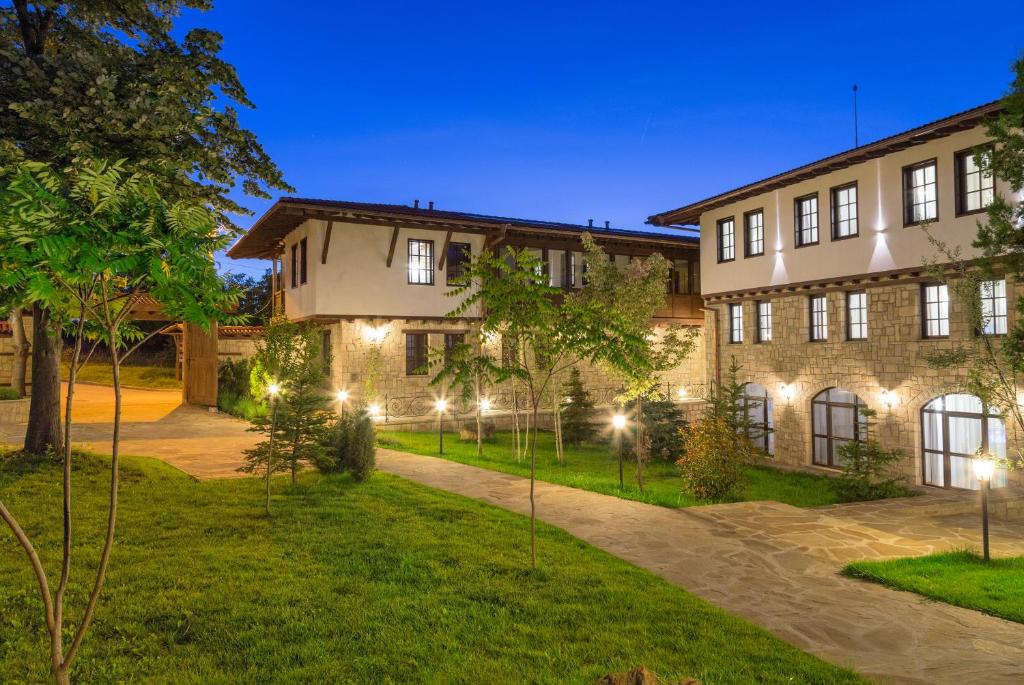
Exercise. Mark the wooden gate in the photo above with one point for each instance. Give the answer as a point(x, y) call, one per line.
point(199, 367)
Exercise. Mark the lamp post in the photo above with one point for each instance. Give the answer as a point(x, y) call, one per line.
point(440, 405)
point(342, 397)
point(273, 390)
point(983, 469)
point(619, 423)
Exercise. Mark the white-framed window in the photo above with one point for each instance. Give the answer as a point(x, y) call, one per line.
point(844, 212)
point(806, 219)
point(993, 307)
point(764, 321)
point(935, 310)
point(857, 315)
point(819, 318)
point(754, 232)
point(736, 323)
point(920, 193)
point(421, 262)
point(726, 240)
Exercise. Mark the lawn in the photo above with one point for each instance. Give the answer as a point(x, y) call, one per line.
point(157, 377)
point(960, 578)
point(387, 581)
point(595, 468)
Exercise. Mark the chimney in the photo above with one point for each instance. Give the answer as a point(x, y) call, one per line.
point(590, 223)
point(430, 205)
point(415, 204)
point(607, 224)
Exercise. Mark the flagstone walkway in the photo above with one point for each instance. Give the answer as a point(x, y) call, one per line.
point(777, 566)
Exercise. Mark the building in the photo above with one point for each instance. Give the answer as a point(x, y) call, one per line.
point(815, 283)
point(377, 277)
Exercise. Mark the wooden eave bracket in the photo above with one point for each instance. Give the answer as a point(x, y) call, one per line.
point(391, 248)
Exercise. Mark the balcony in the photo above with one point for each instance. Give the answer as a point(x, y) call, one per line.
point(682, 308)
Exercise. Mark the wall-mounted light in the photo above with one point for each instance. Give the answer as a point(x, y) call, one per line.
point(682, 393)
point(374, 411)
point(375, 334)
point(787, 391)
point(889, 398)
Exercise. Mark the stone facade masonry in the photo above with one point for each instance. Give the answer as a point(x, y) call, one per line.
point(888, 371)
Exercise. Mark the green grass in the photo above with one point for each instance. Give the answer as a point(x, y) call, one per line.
point(155, 377)
point(960, 578)
point(384, 582)
point(595, 468)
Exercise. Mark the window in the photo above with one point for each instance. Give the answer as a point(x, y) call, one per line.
point(935, 310)
point(456, 261)
point(993, 307)
point(415, 354)
point(920, 194)
point(975, 188)
point(421, 262)
point(857, 316)
point(955, 427)
point(570, 270)
point(295, 266)
point(451, 341)
point(836, 419)
point(726, 240)
point(735, 323)
point(757, 405)
point(844, 212)
point(764, 322)
point(754, 232)
point(819, 318)
point(302, 261)
point(806, 220)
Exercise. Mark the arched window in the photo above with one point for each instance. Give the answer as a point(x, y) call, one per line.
point(835, 419)
point(954, 428)
point(757, 405)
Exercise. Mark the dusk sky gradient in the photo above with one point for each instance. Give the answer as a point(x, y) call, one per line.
point(567, 111)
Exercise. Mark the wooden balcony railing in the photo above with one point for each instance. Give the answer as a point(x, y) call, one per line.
point(682, 307)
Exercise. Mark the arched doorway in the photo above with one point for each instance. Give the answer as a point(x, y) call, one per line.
point(954, 428)
point(835, 419)
point(757, 405)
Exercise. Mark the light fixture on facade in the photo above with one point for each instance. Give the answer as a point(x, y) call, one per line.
point(682, 393)
point(375, 334)
point(374, 411)
point(786, 391)
point(889, 398)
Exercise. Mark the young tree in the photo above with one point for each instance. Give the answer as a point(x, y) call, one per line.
point(95, 239)
point(112, 80)
point(577, 424)
point(518, 302)
point(469, 372)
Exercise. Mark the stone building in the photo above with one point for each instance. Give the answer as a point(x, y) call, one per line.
point(376, 277)
point(815, 282)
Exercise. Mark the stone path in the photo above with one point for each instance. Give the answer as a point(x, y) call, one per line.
point(777, 566)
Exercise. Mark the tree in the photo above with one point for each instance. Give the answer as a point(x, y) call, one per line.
point(990, 368)
point(95, 239)
point(291, 356)
point(577, 424)
point(867, 471)
point(254, 295)
point(518, 302)
point(469, 372)
point(109, 80)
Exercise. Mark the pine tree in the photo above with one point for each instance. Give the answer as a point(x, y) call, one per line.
point(578, 411)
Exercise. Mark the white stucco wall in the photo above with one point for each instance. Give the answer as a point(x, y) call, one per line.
point(884, 244)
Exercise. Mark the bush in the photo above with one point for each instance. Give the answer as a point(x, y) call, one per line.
point(867, 469)
point(352, 447)
point(577, 411)
point(234, 390)
point(9, 394)
point(467, 431)
point(663, 421)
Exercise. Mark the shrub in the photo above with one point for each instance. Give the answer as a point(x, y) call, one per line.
point(234, 390)
point(467, 431)
point(577, 412)
point(352, 447)
point(867, 469)
point(9, 394)
point(663, 421)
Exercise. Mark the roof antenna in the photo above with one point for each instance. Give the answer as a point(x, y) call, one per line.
point(856, 137)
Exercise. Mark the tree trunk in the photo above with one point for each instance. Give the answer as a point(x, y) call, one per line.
point(640, 450)
point(556, 415)
point(515, 421)
point(270, 448)
point(533, 480)
point(43, 431)
point(19, 369)
point(479, 422)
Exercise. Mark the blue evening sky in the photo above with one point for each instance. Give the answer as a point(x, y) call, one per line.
point(574, 110)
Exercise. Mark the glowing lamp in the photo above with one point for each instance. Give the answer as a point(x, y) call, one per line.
point(273, 389)
point(485, 404)
point(984, 467)
point(619, 422)
point(342, 395)
point(441, 405)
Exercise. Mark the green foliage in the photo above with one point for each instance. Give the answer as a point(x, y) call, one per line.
point(867, 468)
point(234, 390)
point(577, 411)
point(9, 394)
point(663, 423)
point(351, 447)
point(718, 448)
point(254, 296)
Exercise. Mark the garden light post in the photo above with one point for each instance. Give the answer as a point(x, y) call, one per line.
point(342, 397)
point(273, 390)
point(440, 405)
point(983, 469)
point(619, 424)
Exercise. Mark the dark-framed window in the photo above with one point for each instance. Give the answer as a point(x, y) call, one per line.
point(935, 310)
point(954, 428)
point(456, 261)
point(993, 307)
point(920, 193)
point(303, 261)
point(421, 262)
point(805, 219)
point(844, 211)
point(726, 240)
point(295, 265)
point(764, 321)
point(415, 354)
point(857, 315)
point(451, 341)
point(569, 272)
point(757, 404)
point(836, 419)
point(736, 323)
point(975, 186)
point(818, 306)
point(753, 231)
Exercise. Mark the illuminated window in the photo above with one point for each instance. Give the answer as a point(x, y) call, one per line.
point(735, 323)
point(836, 419)
point(857, 316)
point(806, 220)
point(726, 240)
point(935, 310)
point(993, 307)
point(920, 193)
point(819, 318)
point(956, 427)
point(421, 262)
point(757, 405)
point(975, 187)
point(764, 322)
point(754, 231)
point(844, 211)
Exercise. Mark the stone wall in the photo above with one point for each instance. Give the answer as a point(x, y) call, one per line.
point(235, 348)
point(887, 371)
